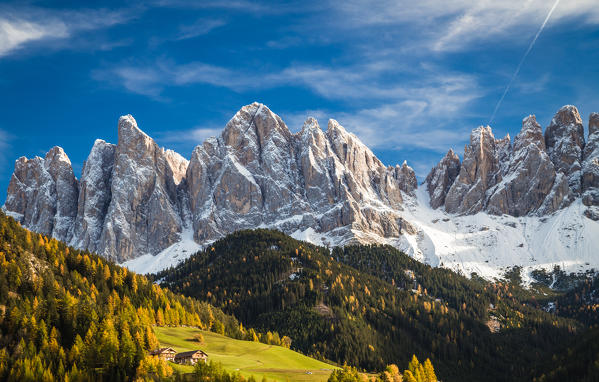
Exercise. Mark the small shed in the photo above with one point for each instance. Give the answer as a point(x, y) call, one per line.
point(167, 354)
point(191, 357)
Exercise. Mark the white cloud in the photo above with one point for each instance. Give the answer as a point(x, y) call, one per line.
point(413, 112)
point(195, 136)
point(454, 25)
point(199, 28)
point(20, 26)
point(14, 33)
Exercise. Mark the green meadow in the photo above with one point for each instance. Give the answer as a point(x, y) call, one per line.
point(249, 358)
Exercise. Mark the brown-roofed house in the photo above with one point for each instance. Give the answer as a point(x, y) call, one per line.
point(191, 357)
point(167, 354)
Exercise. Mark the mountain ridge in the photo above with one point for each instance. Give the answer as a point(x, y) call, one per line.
point(141, 204)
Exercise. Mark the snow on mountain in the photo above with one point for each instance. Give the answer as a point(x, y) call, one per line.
point(530, 203)
point(491, 244)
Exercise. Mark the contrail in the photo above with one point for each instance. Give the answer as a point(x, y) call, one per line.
point(532, 43)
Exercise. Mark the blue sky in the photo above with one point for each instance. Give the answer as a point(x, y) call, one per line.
point(411, 79)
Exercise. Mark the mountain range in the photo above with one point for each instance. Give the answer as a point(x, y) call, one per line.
point(533, 202)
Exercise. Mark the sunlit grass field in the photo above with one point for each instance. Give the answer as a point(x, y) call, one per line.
point(249, 358)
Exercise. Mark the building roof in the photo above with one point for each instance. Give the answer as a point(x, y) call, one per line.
point(189, 353)
point(162, 350)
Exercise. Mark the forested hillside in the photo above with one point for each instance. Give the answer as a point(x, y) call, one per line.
point(372, 305)
point(67, 314)
point(71, 315)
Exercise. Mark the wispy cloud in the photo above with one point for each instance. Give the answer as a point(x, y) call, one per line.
point(193, 136)
point(5, 139)
point(410, 112)
point(252, 7)
point(425, 117)
point(199, 28)
point(329, 82)
point(22, 25)
point(16, 32)
point(455, 25)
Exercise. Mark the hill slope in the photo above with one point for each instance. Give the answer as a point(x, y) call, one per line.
point(66, 313)
point(248, 357)
point(365, 312)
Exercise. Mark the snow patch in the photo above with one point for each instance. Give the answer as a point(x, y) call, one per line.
point(169, 257)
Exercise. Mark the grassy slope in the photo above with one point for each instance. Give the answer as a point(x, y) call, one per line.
point(250, 358)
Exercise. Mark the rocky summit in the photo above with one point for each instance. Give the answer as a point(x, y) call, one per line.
point(537, 174)
point(135, 200)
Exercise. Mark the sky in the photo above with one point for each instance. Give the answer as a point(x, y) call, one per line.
point(410, 78)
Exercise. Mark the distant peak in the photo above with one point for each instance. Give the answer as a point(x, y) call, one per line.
point(127, 119)
point(310, 124)
point(531, 119)
point(335, 126)
point(567, 115)
point(477, 134)
point(57, 153)
point(128, 129)
point(253, 109)
point(100, 144)
point(568, 108)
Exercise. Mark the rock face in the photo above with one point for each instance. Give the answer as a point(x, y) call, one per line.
point(94, 196)
point(564, 138)
point(143, 215)
point(135, 198)
point(529, 177)
point(441, 177)
point(258, 173)
point(43, 192)
point(479, 171)
point(590, 167)
point(536, 175)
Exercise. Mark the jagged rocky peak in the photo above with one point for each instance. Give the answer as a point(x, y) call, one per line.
point(441, 177)
point(128, 202)
point(539, 174)
point(66, 187)
point(254, 127)
point(312, 136)
point(258, 173)
point(528, 179)
point(564, 139)
point(94, 195)
point(178, 165)
point(479, 171)
point(136, 198)
point(42, 193)
point(590, 168)
point(406, 178)
point(531, 133)
point(144, 211)
point(129, 133)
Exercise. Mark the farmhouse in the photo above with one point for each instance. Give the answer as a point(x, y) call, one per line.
point(191, 357)
point(167, 354)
